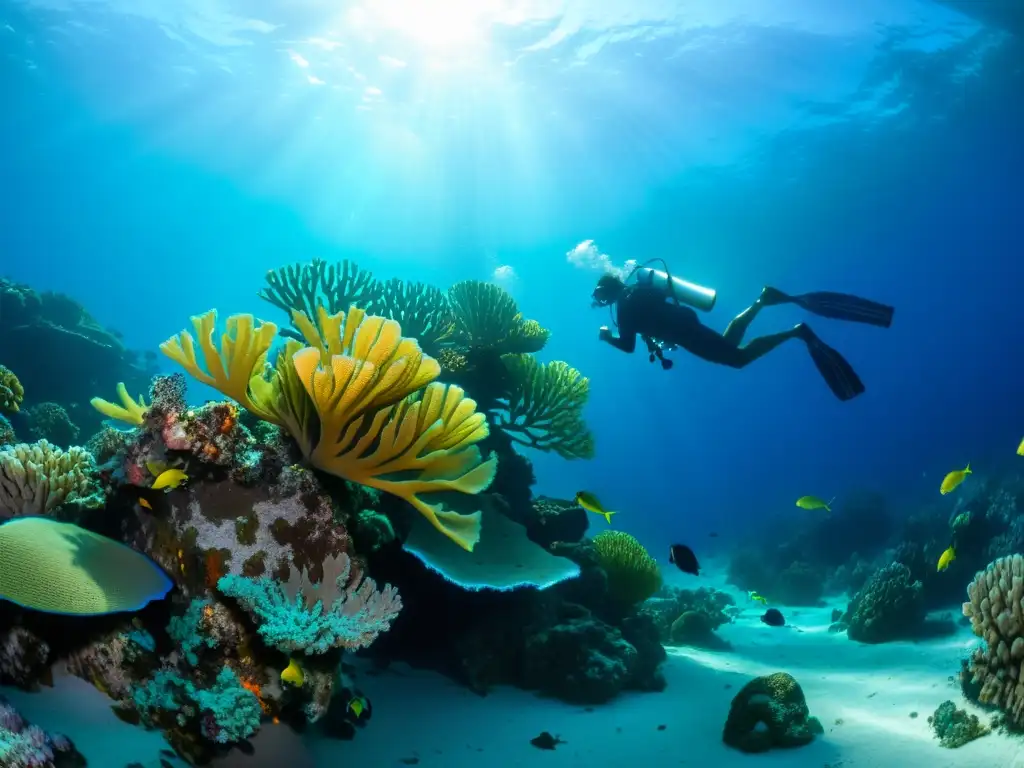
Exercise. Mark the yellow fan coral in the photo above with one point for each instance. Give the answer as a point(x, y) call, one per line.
point(348, 399)
point(130, 411)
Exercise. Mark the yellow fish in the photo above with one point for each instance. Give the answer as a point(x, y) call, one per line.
point(946, 558)
point(953, 479)
point(757, 598)
point(169, 479)
point(357, 705)
point(589, 502)
point(146, 504)
point(292, 674)
point(813, 502)
point(1020, 448)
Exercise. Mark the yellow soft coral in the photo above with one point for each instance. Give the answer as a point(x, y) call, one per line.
point(130, 411)
point(11, 391)
point(372, 433)
point(346, 399)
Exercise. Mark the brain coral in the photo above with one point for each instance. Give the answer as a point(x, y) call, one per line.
point(997, 617)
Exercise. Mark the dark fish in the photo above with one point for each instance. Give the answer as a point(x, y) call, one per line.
point(546, 741)
point(773, 618)
point(713, 534)
point(683, 557)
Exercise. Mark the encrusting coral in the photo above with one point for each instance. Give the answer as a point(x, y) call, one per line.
point(11, 391)
point(770, 712)
point(346, 400)
point(36, 478)
point(544, 407)
point(997, 617)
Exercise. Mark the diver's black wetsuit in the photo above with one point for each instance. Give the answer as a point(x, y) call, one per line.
point(646, 311)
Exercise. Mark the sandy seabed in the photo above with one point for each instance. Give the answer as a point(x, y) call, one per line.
point(864, 696)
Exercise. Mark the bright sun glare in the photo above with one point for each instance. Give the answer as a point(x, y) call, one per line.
point(437, 24)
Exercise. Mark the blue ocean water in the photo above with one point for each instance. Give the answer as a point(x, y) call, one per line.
point(158, 158)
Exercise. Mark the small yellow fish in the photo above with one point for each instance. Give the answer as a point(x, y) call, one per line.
point(156, 468)
point(1020, 448)
point(292, 674)
point(953, 479)
point(589, 502)
point(357, 705)
point(757, 598)
point(146, 504)
point(946, 558)
point(813, 502)
point(169, 479)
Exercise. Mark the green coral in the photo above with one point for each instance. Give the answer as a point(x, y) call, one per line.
point(486, 317)
point(770, 712)
point(955, 727)
point(422, 311)
point(544, 407)
point(633, 575)
point(11, 391)
point(305, 287)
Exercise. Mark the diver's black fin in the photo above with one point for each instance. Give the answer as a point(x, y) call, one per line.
point(843, 306)
point(838, 374)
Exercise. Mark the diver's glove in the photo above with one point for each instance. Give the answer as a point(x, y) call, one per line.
point(605, 334)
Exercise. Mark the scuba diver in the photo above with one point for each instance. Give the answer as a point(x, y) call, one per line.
point(659, 308)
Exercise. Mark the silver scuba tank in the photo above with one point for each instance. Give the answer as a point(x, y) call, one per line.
point(691, 294)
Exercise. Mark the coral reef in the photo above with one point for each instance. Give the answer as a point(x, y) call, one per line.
point(689, 617)
point(7, 435)
point(346, 401)
point(52, 321)
point(555, 520)
point(770, 712)
point(487, 318)
point(997, 617)
point(954, 727)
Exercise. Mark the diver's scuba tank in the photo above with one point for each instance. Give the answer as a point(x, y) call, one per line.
point(682, 291)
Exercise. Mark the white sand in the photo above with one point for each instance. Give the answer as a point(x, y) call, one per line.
point(871, 689)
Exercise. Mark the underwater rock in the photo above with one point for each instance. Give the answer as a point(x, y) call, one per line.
point(770, 712)
point(773, 618)
point(546, 741)
point(556, 520)
point(670, 604)
point(955, 727)
point(696, 628)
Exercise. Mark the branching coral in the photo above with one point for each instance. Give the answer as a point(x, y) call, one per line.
point(348, 400)
point(11, 391)
point(353, 620)
point(422, 311)
point(633, 575)
point(997, 617)
point(336, 287)
point(35, 478)
point(544, 407)
point(130, 411)
point(486, 317)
